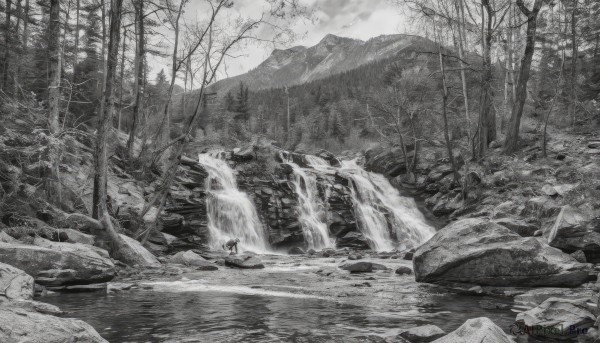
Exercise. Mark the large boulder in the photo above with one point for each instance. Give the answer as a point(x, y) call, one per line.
point(19, 325)
point(422, 334)
point(481, 252)
point(52, 267)
point(570, 232)
point(481, 330)
point(15, 283)
point(190, 258)
point(244, 262)
point(557, 318)
point(143, 256)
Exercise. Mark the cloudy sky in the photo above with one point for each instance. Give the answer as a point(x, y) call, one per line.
point(361, 19)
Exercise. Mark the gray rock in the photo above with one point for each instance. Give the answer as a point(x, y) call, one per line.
point(422, 334)
point(244, 262)
point(74, 236)
point(559, 318)
point(296, 251)
point(579, 256)
point(21, 325)
point(517, 226)
point(403, 270)
point(15, 283)
point(480, 252)
point(190, 258)
point(69, 265)
point(144, 257)
point(481, 330)
point(362, 267)
point(570, 232)
point(6, 238)
point(355, 240)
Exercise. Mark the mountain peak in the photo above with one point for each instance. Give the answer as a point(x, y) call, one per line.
point(331, 39)
point(332, 55)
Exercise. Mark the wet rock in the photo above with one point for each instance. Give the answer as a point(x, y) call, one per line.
point(190, 258)
point(558, 318)
point(579, 256)
point(22, 325)
point(543, 207)
point(517, 226)
point(31, 305)
point(549, 190)
point(143, 256)
point(355, 240)
point(74, 236)
point(570, 232)
point(481, 330)
point(403, 270)
point(296, 251)
point(362, 267)
point(115, 287)
point(83, 223)
point(6, 238)
point(480, 252)
point(69, 265)
point(15, 283)
point(327, 252)
point(311, 251)
point(244, 262)
point(408, 255)
point(422, 334)
point(354, 257)
point(447, 204)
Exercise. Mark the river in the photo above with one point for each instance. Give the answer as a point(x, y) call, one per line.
point(291, 300)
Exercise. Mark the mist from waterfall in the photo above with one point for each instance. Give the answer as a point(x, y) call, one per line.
point(379, 206)
point(310, 208)
point(230, 212)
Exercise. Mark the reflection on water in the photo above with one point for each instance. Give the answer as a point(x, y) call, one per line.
point(208, 316)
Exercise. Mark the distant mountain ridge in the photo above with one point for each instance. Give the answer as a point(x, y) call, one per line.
point(332, 55)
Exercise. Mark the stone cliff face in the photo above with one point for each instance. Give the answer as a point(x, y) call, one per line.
point(268, 182)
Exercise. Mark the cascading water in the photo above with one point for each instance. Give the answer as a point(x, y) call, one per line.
point(231, 213)
point(378, 205)
point(314, 228)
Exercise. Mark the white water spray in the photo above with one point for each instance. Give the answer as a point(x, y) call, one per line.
point(379, 206)
point(311, 208)
point(230, 212)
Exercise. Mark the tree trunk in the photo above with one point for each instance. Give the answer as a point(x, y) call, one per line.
point(461, 48)
point(574, 53)
point(7, 48)
point(108, 98)
point(512, 135)
point(54, 58)
point(487, 117)
point(76, 53)
point(139, 10)
point(122, 78)
point(444, 110)
point(120, 249)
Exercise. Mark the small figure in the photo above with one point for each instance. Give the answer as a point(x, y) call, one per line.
point(231, 244)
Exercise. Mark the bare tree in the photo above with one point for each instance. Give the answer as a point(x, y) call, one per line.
point(512, 134)
point(54, 68)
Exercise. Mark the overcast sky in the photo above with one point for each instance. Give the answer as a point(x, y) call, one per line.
point(361, 19)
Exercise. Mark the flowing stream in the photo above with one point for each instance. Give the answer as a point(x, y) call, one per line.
point(231, 213)
point(310, 208)
point(387, 219)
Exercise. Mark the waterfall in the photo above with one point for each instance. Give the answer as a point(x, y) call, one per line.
point(310, 208)
point(231, 213)
point(379, 206)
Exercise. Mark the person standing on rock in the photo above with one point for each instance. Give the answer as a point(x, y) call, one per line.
point(231, 244)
